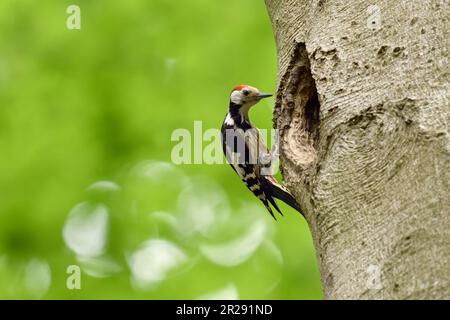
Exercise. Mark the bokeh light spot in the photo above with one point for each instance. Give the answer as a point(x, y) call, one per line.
point(86, 229)
point(150, 264)
point(238, 250)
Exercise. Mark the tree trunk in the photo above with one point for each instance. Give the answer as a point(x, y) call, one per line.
point(362, 108)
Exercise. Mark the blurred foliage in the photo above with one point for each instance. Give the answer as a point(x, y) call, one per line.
point(100, 104)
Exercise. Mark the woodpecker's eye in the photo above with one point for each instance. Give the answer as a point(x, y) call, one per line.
point(245, 92)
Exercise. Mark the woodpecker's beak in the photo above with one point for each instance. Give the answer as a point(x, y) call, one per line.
point(264, 95)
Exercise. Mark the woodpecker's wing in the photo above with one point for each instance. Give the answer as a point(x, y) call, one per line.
point(242, 150)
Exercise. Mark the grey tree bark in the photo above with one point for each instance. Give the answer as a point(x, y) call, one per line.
point(363, 107)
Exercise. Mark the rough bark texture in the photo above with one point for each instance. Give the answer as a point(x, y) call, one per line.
point(363, 115)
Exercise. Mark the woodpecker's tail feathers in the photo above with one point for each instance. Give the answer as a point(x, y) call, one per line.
point(274, 204)
point(276, 191)
point(266, 204)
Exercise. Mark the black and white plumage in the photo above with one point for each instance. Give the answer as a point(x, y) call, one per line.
point(247, 153)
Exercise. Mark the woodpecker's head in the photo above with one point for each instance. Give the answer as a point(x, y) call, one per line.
point(246, 96)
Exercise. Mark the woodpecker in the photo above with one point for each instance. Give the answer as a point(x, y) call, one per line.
point(247, 153)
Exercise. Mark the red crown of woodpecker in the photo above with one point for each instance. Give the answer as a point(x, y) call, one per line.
point(238, 88)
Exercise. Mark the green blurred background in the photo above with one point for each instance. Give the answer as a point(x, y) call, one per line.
point(86, 178)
